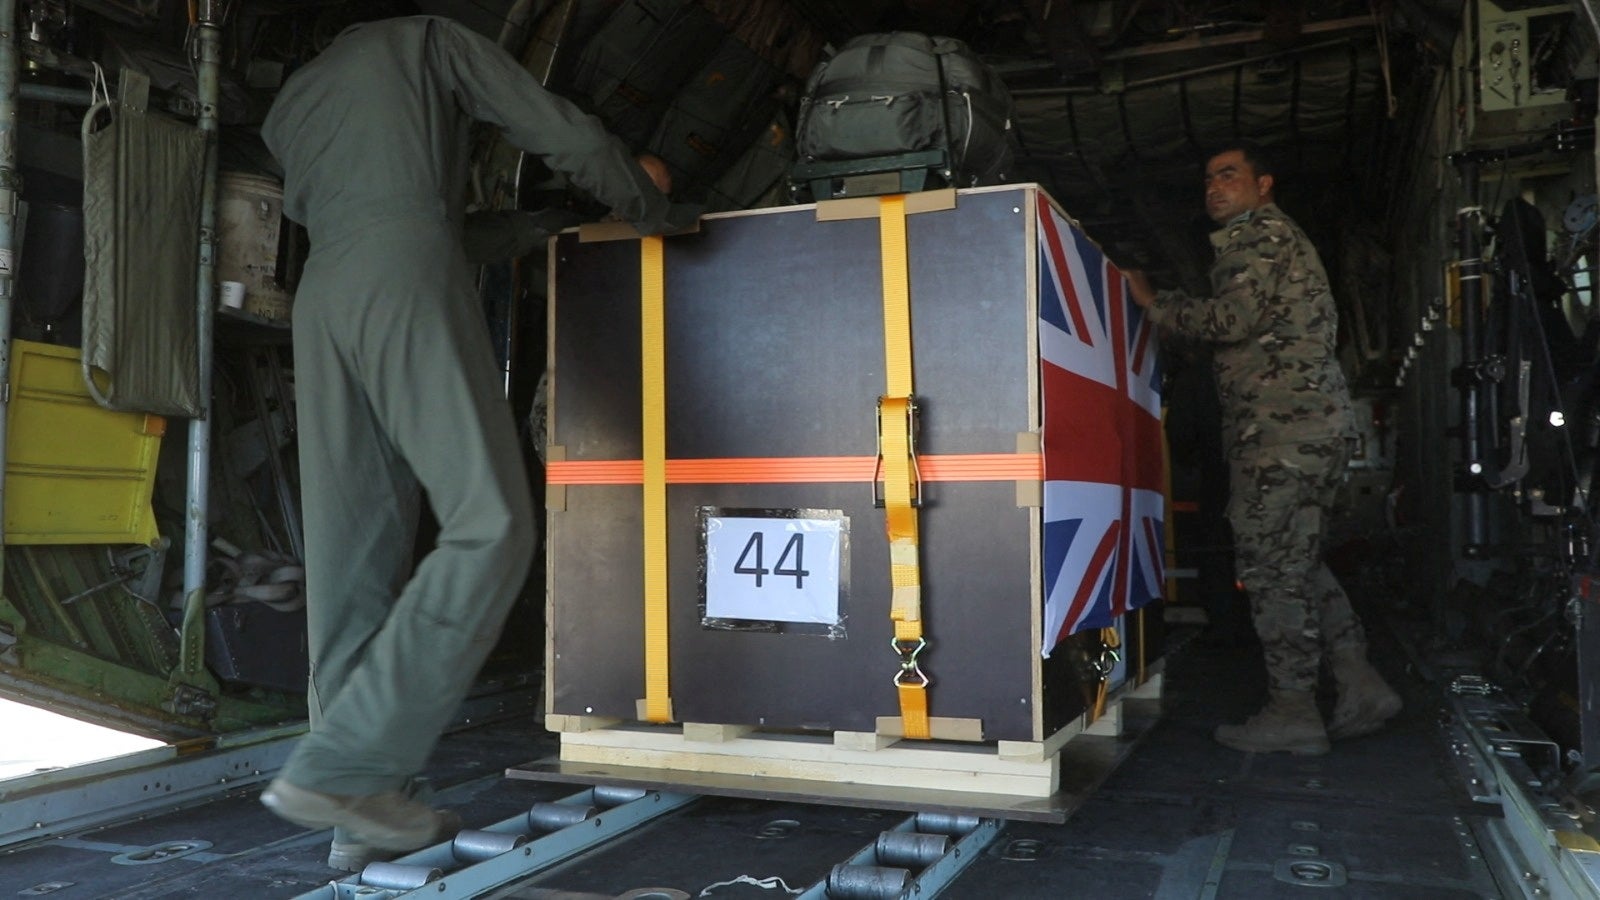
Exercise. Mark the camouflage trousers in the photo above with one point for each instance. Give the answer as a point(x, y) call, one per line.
point(1279, 509)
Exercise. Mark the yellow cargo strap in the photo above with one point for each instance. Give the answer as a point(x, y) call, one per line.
point(901, 490)
point(1143, 675)
point(653, 343)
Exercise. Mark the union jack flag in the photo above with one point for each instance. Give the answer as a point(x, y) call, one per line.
point(1101, 380)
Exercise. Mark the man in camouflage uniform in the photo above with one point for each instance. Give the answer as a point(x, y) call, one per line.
point(1287, 425)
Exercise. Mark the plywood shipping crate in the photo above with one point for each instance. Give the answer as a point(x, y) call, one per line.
point(731, 446)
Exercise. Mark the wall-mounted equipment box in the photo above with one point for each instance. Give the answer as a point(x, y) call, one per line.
point(1520, 50)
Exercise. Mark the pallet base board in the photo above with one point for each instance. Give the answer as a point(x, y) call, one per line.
point(910, 764)
point(1078, 759)
point(1054, 809)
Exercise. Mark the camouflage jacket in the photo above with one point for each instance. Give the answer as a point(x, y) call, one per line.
point(1272, 324)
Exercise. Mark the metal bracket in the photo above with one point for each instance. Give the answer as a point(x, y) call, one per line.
point(133, 90)
point(912, 423)
point(188, 700)
point(910, 674)
point(1517, 467)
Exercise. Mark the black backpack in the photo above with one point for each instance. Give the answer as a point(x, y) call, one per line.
point(887, 96)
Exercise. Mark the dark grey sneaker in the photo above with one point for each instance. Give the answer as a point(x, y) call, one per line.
point(386, 821)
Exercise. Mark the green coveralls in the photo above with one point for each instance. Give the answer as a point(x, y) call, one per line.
point(396, 383)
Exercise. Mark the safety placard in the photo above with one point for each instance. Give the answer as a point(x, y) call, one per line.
point(774, 567)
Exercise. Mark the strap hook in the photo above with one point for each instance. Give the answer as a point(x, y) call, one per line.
point(910, 674)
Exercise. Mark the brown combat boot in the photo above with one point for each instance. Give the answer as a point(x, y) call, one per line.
point(1365, 700)
point(1289, 722)
point(385, 821)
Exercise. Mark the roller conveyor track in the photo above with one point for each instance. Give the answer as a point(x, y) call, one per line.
point(918, 857)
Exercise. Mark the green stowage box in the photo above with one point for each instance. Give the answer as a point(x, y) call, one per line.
point(1039, 452)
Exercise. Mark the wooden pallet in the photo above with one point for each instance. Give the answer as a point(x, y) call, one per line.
point(1026, 769)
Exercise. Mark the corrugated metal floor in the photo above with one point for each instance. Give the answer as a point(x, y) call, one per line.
point(1382, 816)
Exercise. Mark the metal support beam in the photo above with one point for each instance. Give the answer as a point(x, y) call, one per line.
point(1469, 236)
point(10, 185)
point(49, 93)
point(208, 48)
point(1064, 36)
point(1591, 11)
point(1252, 36)
point(72, 800)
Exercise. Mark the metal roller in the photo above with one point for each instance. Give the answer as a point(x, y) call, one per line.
point(544, 817)
point(947, 823)
point(397, 877)
point(848, 882)
point(609, 795)
point(472, 846)
point(911, 849)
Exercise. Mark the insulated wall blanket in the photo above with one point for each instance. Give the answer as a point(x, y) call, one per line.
point(143, 175)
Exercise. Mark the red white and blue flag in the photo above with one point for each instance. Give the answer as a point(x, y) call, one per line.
point(1103, 501)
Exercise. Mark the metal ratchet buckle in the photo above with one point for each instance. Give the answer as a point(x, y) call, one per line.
point(911, 448)
point(1106, 662)
point(910, 674)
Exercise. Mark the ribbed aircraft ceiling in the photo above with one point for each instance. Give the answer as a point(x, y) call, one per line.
point(1117, 101)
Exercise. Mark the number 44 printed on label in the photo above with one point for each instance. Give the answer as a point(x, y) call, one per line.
point(777, 569)
point(749, 562)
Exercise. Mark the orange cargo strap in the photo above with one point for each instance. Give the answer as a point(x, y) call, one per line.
point(971, 467)
point(901, 490)
point(652, 303)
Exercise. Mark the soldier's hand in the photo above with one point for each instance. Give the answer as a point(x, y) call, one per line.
point(1139, 288)
point(657, 170)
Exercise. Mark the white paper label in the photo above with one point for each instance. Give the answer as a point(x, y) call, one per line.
point(773, 570)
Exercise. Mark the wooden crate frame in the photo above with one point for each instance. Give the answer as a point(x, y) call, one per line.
point(1050, 715)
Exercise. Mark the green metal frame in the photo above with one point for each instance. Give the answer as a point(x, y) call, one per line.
point(85, 642)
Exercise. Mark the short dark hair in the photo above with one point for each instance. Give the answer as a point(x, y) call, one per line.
point(1261, 162)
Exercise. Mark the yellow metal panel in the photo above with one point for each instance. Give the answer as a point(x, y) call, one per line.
point(75, 473)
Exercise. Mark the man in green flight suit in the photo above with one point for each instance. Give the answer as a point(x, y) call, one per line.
point(398, 395)
point(1287, 424)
